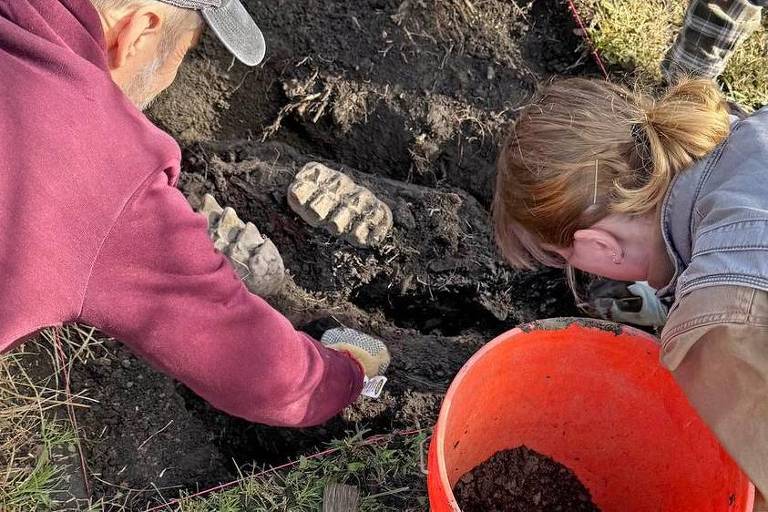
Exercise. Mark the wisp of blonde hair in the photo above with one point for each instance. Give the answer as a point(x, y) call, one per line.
point(585, 149)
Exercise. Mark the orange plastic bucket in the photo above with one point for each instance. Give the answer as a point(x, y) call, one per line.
point(593, 396)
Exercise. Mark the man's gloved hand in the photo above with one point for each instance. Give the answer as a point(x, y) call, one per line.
point(372, 354)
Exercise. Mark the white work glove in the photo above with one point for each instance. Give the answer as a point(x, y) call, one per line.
point(371, 353)
point(652, 314)
point(636, 304)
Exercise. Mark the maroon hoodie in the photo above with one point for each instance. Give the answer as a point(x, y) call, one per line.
point(93, 230)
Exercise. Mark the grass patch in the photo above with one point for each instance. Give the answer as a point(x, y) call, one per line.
point(28, 434)
point(387, 473)
point(745, 77)
point(35, 487)
point(635, 35)
point(32, 426)
point(35, 430)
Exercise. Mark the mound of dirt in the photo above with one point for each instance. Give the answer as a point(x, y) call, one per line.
point(434, 290)
point(522, 480)
point(439, 272)
point(409, 99)
point(412, 90)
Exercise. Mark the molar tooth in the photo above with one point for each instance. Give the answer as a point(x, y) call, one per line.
point(229, 225)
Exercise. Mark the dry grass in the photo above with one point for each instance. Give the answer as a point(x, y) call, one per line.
point(32, 427)
point(387, 473)
point(35, 430)
point(635, 35)
point(27, 436)
point(745, 77)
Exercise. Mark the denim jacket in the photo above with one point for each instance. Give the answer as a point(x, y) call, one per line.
point(715, 343)
point(715, 215)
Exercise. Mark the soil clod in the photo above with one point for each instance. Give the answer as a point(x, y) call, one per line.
point(522, 480)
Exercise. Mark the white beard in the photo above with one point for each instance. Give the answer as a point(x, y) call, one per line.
point(141, 90)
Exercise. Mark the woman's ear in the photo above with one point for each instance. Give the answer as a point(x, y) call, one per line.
point(598, 245)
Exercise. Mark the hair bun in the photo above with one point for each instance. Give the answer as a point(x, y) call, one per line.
point(685, 124)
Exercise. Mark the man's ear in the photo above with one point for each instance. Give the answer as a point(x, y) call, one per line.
point(134, 34)
point(600, 242)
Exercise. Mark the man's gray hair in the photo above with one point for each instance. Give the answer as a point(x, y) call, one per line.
point(178, 21)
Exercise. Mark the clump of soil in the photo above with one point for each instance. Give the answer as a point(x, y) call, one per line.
point(522, 480)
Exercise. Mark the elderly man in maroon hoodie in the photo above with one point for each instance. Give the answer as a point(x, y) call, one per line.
point(93, 230)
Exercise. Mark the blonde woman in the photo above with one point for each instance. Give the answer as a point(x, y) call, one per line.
point(673, 191)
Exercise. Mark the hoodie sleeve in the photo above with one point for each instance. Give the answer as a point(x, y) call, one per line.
point(159, 286)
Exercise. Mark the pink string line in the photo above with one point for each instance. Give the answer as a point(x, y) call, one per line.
point(370, 441)
point(587, 38)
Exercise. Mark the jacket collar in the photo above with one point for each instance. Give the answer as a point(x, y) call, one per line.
point(677, 220)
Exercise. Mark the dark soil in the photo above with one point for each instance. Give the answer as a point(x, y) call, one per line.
point(415, 90)
point(140, 433)
point(410, 98)
point(522, 480)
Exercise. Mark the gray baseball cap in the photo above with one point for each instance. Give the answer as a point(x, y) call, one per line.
point(232, 24)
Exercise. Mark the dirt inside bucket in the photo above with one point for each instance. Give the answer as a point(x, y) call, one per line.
point(522, 480)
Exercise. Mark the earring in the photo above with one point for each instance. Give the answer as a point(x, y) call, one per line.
point(615, 259)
